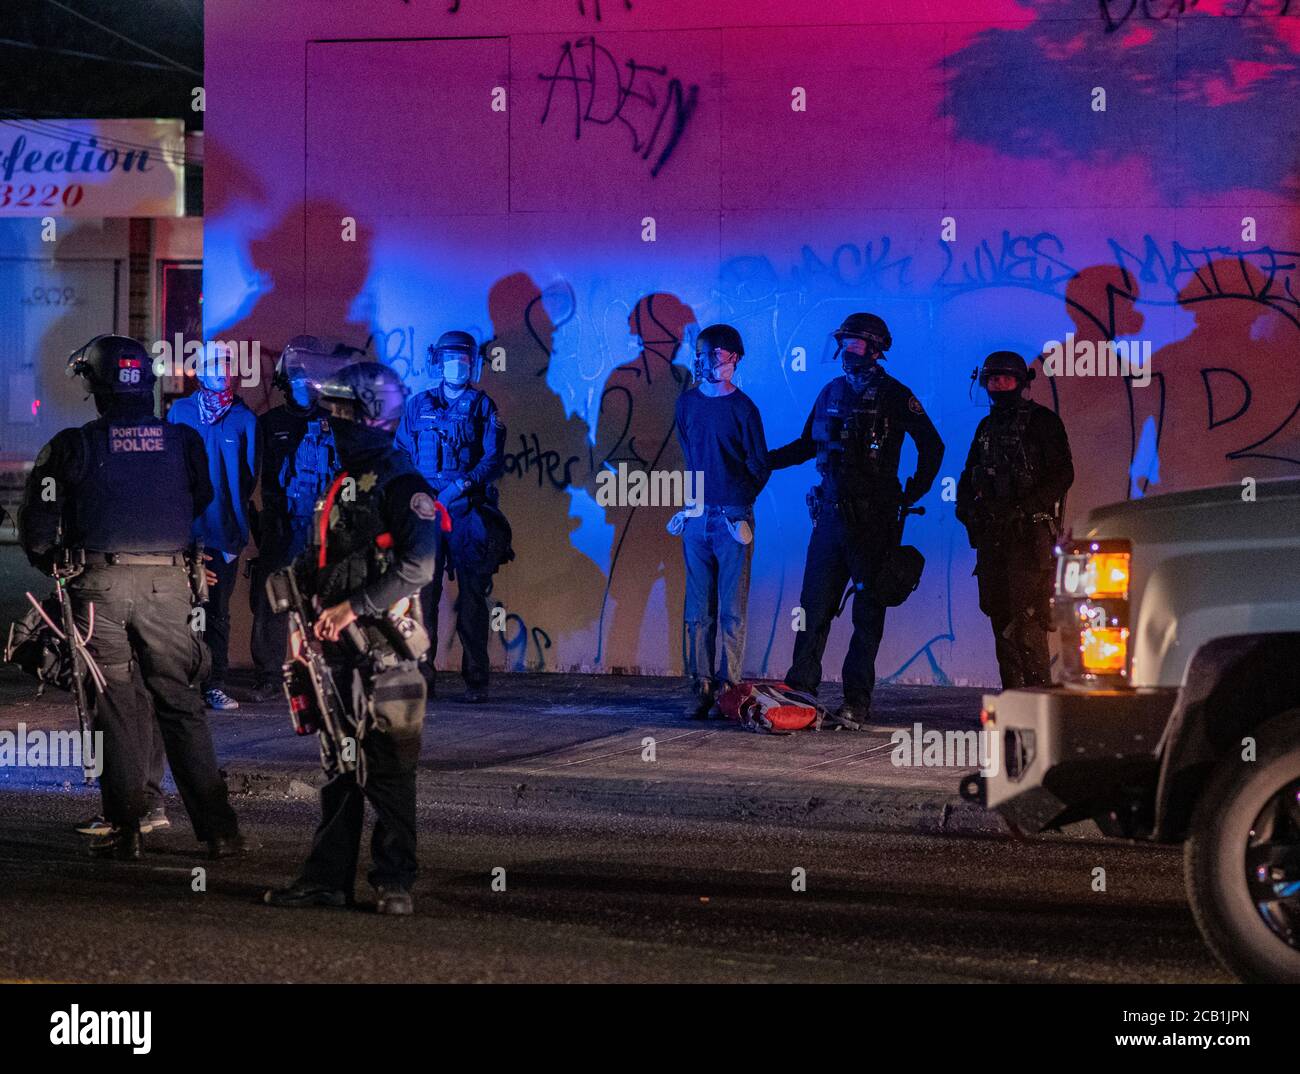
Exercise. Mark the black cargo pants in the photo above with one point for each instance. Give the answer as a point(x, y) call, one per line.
point(151, 660)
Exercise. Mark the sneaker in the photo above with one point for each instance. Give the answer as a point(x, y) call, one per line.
point(95, 826)
point(219, 700)
point(396, 901)
point(155, 820)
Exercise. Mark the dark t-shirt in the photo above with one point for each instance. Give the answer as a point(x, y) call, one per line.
point(723, 438)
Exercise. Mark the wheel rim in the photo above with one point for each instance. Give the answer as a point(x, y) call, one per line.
point(1273, 864)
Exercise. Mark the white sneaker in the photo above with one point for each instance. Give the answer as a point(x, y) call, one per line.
point(151, 822)
point(154, 820)
point(219, 700)
point(95, 826)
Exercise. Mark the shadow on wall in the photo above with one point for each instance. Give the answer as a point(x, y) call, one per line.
point(552, 590)
point(1222, 403)
point(1231, 387)
point(634, 428)
point(310, 282)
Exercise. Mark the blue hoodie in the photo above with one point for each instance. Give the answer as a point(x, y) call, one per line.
point(231, 444)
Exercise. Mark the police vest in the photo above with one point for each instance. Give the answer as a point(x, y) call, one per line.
point(349, 543)
point(134, 491)
point(852, 435)
point(306, 474)
point(447, 438)
point(1006, 463)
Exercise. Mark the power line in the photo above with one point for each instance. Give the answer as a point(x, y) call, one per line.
point(129, 40)
point(84, 55)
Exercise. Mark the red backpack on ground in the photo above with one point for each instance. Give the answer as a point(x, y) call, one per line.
point(763, 707)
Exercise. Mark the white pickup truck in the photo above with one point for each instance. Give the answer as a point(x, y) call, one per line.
point(1178, 717)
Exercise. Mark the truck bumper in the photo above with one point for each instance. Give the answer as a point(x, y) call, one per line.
point(1058, 755)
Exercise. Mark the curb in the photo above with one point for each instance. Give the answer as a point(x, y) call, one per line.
point(872, 808)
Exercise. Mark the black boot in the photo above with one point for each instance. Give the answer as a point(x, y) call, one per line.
point(227, 846)
point(850, 718)
point(702, 706)
point(120, 844)
point(301, 894)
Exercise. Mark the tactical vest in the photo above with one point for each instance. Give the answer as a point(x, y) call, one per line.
point(852, 434)
point(1004, 469)
point(306, 474)
point(347, 548)
point(131, 463)
point(447, 438)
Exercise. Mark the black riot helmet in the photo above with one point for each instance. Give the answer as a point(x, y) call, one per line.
point(708, 342)
point(285, 364)
point(867, 327)
point(365, 392)
point(113, 365)
point(1005, 362)
point(454, 346)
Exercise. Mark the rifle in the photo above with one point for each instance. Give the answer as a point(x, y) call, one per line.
point(82, 662)
point(315, 705)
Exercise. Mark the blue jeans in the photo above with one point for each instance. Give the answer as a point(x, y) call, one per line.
point(717, 596)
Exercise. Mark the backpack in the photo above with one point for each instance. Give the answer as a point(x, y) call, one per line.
point(763, 707)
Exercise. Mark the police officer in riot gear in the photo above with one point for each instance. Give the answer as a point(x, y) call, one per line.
point(1010, 497)
point(454, 435)
point(855, 431)
point(373, 547)
point(131, 594)
point(298, 462)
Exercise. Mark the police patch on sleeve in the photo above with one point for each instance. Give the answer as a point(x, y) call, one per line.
point(914, 405)
point(423, 505)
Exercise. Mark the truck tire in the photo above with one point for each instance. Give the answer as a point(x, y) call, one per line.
point(1225, 901)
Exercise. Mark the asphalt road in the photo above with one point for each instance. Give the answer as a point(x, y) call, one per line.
point(597, 898)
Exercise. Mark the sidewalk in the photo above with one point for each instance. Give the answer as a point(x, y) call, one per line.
point(577, 742)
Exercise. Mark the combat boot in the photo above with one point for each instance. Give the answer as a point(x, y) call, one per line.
point(119, 844)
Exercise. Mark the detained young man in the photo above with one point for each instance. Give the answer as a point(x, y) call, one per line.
point(722, 440)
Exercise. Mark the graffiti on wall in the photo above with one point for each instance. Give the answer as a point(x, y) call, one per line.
point(652, 106)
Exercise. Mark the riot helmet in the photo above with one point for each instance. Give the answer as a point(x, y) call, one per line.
point(1005, 364)
point(456, 359)
point(113, 365)
point(368, 393)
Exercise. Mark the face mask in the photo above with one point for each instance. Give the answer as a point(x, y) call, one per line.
point(858, 371)
point(1005, 398)
point(455, 372)
point(300, 392)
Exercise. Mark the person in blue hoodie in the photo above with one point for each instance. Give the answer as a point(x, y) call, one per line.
point(229, 432)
